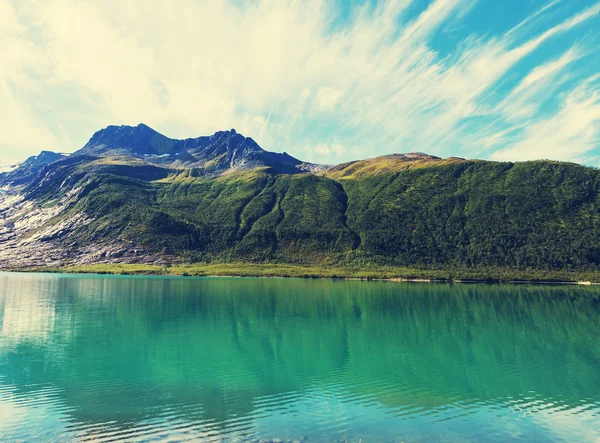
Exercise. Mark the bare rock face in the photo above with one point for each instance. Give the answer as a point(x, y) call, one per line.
point(223, 151)
point(25, 238)
point(313, 168)
point(32, 235)
point(137, 140)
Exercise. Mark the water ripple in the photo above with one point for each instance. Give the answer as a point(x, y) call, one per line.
point(222, 360)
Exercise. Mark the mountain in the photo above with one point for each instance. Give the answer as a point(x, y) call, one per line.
point(27, 170)
point(127, 197)
point(217, 153)
point(138, 140)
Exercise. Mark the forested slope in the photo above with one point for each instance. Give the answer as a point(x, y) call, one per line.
point(416, 211)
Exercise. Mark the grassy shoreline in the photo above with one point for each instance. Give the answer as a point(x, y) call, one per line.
point(332, 272)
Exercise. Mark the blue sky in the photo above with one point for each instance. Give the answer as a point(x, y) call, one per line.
point(326, 81)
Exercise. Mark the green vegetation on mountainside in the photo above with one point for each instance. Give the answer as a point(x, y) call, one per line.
point(539, 215)
point(438, 214)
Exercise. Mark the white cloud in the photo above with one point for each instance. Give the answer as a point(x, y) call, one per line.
point(276, 71)
point(18, 56)
point(6, 166)
point(328, 98)
point(329, 150)
point(570, 134)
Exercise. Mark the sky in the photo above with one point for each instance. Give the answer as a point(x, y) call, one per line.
point(324, 80)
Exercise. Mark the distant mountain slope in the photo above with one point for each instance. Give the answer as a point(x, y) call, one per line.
point(217, 153)
point(27, 170)
point(385, 164)
point(116, 201)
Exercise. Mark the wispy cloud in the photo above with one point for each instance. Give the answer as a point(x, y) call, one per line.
point(327, 150)
point(289, 75)
point(572, 133)
point(6, 166)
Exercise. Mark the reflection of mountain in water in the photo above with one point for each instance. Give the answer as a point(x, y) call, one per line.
point(217, 349)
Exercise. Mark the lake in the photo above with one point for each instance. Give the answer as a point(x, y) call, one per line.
point(98, 358)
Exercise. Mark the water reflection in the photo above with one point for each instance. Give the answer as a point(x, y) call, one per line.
point(129, 358)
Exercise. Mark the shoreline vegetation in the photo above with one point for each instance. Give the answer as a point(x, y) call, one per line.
point(383, 273)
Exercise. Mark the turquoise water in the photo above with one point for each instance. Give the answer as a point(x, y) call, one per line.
point(93, 358)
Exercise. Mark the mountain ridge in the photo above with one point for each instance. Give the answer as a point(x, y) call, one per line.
point(410, 210)
point(27, 170)
point(219, 153)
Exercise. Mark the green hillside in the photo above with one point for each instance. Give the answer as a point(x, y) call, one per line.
point(392, 211)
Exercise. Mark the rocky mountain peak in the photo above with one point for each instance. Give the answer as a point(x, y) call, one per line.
point(129, 140)
point(221, 151)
